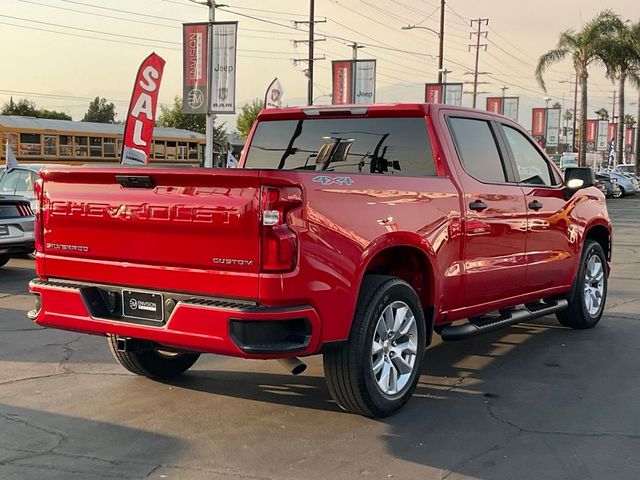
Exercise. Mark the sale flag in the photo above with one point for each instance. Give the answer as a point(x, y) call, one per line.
point(138, 128)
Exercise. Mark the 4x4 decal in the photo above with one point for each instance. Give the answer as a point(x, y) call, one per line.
point(327, 180)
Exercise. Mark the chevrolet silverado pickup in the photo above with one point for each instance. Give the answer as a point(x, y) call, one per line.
point(353, 232)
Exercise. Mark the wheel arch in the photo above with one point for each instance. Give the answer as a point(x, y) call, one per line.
point(600, 233)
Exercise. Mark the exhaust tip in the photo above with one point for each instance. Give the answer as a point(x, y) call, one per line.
point(293, 365)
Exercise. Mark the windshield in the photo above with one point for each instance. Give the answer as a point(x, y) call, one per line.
point(393, 146)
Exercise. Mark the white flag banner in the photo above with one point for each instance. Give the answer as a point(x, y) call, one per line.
point(222, 95)
point(273, 97)
point(553, 127)
point(232, 162)
point(603, 132)
point(364, 81)
point(453, 94)
point(12, 161)
point(510, 107)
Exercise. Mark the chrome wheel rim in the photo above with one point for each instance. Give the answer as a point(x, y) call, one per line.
point(594, 285)
point(394, 348)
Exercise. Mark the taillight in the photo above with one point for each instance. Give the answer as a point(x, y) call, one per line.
point(24, 209)
point(279, 251)
point(39, 225)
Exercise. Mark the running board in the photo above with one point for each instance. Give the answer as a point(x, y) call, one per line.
point(480, 325)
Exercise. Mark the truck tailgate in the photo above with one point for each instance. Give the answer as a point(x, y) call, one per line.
point(180, 230)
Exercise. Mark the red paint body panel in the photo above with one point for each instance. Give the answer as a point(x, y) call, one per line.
point(168, 238)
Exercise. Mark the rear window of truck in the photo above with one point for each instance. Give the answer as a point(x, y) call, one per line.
point(391, 146)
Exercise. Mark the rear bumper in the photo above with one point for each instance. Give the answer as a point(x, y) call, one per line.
point(19, 238)
point(208, 325)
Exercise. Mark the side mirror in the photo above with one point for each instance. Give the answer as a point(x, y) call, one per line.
point(576, 178)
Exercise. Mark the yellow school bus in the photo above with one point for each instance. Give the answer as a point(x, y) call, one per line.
point(39, 140)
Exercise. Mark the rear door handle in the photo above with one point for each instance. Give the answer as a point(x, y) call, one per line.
point(535, 205)
point(478, 206)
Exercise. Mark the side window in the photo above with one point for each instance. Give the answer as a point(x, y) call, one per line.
point(9, 181)
point(477, 149)
point(532, 167)
point(24, 183)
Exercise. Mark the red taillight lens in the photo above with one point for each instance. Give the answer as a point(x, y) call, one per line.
point(39, 225)
point(279, 251)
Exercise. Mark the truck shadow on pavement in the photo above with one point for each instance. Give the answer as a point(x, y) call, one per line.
point(40, 444)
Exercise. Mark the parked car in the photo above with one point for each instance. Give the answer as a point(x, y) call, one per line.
point(626, 168)
point(354, 232)
point(610, 185)
point(16, 227)
point(568, 160)
point(20, 181)
point(628, 185)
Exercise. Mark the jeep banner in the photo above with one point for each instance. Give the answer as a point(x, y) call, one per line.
point(510, 107)
point(364, 81)
point(601, 139)
point(222, 94)
point(138, 128)
point(553, 127)
point(195, 67)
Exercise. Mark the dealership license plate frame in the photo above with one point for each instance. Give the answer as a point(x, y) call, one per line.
point(142, 295)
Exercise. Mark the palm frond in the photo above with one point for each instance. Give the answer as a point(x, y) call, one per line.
point(546, 60)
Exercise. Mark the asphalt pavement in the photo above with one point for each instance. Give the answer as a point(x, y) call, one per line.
point(535, 401)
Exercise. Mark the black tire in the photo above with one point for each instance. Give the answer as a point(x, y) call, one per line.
point(349, 368)
point(4, 259)
point(152, 363)
point(577, 315)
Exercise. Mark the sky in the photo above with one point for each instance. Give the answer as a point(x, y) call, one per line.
point(63, 53)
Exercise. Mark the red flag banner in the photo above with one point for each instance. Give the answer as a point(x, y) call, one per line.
point(538, 122)
point(611, 131)
point(629, 137)
point(433, 93)
point(138, 129)
point(494, 104)
point(342, 82)
point(195, 67)
point(592, 132)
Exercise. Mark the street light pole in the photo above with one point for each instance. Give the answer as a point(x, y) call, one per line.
point(441, 44)
point(208, 156)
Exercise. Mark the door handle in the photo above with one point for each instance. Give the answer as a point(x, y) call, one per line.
point(478, 206)
point(535, 205)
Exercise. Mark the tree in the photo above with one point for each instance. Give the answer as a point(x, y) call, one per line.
point(556, 105)
point(603, 114)
point(173, 117)
point(248, 115)
point(100, 111)
point(621, 59)
point(585, 47)
point(28, 108)
point(629, 120)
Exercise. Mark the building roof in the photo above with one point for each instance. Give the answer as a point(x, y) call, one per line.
point(20, 122)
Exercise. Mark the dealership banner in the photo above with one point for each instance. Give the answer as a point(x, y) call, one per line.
point(138, 128)
point(273, 97)
point(510, 107)
point(342, 73)
point(354, 81)
point(494, 104)
point(553, 127)
point(448, 93)
point(612, 130)
point(629, 137)
point(433, 92)
point(538, 122)
point(364, 81)
point(592, 132)
point(602, 139)
point(195, 69)
point(223, 41)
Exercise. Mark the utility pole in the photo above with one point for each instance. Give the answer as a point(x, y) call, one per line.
point(355, 46)
point(208, 154)
point(311, 59)
point(504, 88)
point(575, 114)
point(441, 38)
point(479, 35)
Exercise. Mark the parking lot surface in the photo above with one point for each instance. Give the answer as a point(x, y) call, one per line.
point(535, 401)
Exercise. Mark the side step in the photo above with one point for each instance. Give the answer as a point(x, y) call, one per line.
point(480, 325)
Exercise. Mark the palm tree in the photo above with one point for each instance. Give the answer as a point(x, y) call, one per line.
point(635, 35)
point(584, 47)
point(629, 120)
point(603, 114)
point(621, 58)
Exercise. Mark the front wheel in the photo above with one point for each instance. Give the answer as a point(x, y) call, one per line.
point(377, 370)
point(152, 362)
point(589, 291)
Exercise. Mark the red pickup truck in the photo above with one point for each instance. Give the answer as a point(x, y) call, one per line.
point(354, 232)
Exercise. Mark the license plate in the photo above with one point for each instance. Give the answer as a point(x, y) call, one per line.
point(4, 231)
point(143, 305)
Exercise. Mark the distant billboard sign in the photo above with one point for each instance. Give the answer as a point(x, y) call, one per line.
point(553, 127)
point(354, 81)
point(195, 68)
point(602, 138)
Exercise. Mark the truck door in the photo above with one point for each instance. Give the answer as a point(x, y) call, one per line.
point(495, 215)
point(551, 246)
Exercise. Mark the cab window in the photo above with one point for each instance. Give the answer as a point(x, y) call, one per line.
point(532, 166)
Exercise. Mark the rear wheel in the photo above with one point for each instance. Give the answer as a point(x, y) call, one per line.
point(590, 290)
point(376, 371)
point(4, 259)
point(152, 362)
